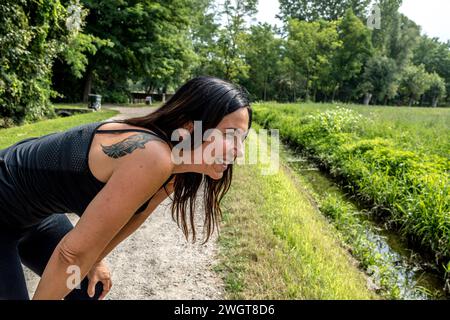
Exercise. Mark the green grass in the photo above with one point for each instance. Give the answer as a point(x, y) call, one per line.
point(71, 106)
point(423, 130)
point(275, 245)
point(395, 159)
point(426, 130)
point(10, 136)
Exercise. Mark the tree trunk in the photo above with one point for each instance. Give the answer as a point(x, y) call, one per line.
point(307, 89)
point(265, 89)
point(422, 100)
point(333, 96)
point(149, 89)
point(367, 98)
point(411, 100)
point(164, 94)
point(293, 90)
point(435, 102)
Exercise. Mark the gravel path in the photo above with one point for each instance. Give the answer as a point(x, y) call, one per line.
point(156, 262)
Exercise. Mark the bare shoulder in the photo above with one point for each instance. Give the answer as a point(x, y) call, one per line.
point(109, 152)
point(136, 178)
point(151, 156)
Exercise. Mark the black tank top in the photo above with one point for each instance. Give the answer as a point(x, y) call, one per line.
point(44, 175)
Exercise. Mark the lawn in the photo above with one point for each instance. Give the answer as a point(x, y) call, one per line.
point(12, 135)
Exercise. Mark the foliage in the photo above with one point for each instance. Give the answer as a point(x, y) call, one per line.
point(414, 82)
point(28, 45)
point(323, 52)
point(311, 10)
point(262, 54)
point(410, 187)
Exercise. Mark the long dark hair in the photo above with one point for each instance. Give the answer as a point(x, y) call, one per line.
point(206, 99)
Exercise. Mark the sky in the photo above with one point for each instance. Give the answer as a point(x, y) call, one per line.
point(432, 15)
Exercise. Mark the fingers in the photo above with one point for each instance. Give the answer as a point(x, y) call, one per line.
point(100, 273)
point(107, 284)
point(91, 286)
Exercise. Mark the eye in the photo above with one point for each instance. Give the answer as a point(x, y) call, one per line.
point(244, 135)
point(234, 134)
point(241, 134)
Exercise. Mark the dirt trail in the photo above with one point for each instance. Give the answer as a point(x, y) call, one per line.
point(156, 262)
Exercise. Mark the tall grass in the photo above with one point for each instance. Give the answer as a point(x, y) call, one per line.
point(381, 158)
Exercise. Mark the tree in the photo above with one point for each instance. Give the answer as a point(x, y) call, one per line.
point(29, 43)
point(379, 79)
point(414, 82)
point(262, 54)
point(390, 24)
point(308, 56)
point(71, 64)
point(435, 56)
point(398, 35)
point(168, 60)
point(403, 41)
point(350, 57)
point(312, 10)
point(231, 42)
point(436, 89)
point(150, 43)
point(204, 33)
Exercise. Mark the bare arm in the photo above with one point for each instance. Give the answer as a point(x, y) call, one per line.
point(110, 210)
point(137, 220)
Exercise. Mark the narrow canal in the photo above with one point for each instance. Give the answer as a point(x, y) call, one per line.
point(415, 278)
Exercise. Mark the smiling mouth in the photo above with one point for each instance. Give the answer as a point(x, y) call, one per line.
point(221, 167)
point(223, 162)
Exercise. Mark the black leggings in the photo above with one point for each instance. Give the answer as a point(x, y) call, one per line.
point(34, 248)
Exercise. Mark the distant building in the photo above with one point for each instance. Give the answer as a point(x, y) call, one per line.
point(139, 96)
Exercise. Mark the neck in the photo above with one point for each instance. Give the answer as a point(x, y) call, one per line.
point(183, 168)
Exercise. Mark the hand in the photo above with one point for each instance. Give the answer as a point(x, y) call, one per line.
point(99, 273)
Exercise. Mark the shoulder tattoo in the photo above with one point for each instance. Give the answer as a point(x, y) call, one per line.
point(127, 145)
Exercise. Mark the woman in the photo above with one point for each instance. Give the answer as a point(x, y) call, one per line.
point(112, 174)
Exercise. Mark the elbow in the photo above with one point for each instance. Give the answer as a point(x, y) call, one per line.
point(68, 255)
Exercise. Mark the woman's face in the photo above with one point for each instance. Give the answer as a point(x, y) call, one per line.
point(230, 133)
